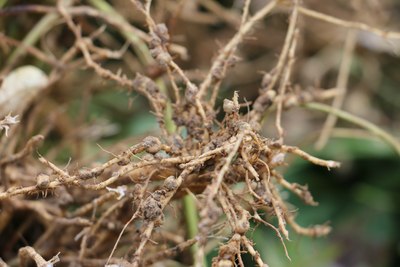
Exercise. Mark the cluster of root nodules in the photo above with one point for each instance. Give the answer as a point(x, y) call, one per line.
point(133, 209)
point(128, 210)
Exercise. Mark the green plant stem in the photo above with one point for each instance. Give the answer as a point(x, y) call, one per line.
point(386, 137)
point(189, 206)
point(192, 222)
point(188, 201)
point(169, 122)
